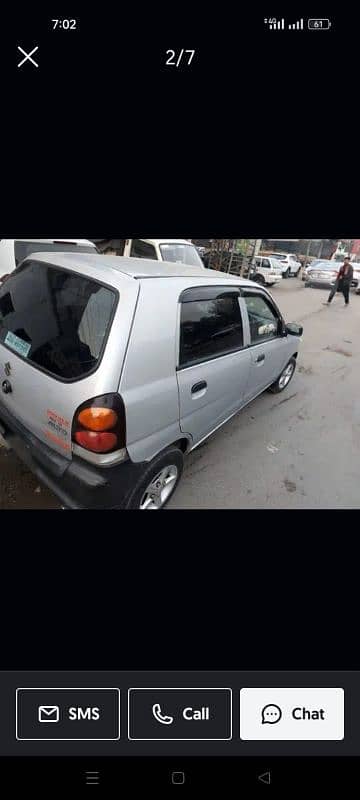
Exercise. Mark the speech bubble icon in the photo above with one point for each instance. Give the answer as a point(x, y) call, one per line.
point(271, 714)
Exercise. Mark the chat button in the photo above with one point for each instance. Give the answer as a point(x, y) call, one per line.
point(284, 714)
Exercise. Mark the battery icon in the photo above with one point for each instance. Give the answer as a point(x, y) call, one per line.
point(319, 24)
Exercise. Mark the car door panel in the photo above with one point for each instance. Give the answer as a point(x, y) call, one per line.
point(268, 356)
point(226, 379)
point(213, 388)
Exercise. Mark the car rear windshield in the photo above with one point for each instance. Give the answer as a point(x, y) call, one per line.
point(24, 249)
point(183, 253)
point(57, 320)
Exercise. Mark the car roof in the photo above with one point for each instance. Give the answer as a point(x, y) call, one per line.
point(133, 268)
point(58, 241)
point(283, 255)
point(169, 241)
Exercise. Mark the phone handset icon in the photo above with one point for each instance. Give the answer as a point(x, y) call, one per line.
point(156, 710)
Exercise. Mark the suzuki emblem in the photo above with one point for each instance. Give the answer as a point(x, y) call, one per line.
point(7, 368)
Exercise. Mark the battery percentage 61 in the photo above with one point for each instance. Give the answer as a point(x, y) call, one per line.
point(319, 24)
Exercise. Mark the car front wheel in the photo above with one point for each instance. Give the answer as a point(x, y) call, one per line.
point(159, 481)
point(285, 377)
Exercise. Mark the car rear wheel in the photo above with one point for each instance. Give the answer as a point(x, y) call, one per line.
point(259, 279)
point(285, 377)
point(287, 273)
point(158, 482)
point(298, 273)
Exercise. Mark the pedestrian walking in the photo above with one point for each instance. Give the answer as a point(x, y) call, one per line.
point(342, 282)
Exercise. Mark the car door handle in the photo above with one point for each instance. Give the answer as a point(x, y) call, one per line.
point(260, 359)
point(198, 387)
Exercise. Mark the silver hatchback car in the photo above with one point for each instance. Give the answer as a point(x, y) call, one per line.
point(112, 369)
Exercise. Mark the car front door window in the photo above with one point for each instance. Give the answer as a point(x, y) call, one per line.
point(264, 321)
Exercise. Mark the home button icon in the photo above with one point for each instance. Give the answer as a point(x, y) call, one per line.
point(178, 777)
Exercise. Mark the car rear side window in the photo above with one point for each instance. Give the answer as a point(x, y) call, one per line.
point(56, 319)
point(210, 328)
point(24, 249)
point(263, 320)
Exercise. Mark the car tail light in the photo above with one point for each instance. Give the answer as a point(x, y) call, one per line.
point(99, 424)
point(97, 418)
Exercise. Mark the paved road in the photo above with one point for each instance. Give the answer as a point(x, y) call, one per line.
point(299, 449)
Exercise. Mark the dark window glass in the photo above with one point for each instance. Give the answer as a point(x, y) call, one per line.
point(210, 328)
point(263, 319)
point(58, 320)
point(141, 249)
point(25, 249)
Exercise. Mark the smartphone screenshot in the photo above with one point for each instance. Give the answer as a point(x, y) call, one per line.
point(179, 334)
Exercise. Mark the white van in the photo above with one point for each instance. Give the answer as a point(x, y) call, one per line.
point(178, 251)
point(13, 251)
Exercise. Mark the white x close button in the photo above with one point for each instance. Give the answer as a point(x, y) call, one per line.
point(28, 56)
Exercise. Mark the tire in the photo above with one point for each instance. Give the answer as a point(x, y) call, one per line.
point(287, 273)
point(171, 460)
point(298, 273)
point(279, 387)
point(270, 284)
point(306, 285)
point(259, 279)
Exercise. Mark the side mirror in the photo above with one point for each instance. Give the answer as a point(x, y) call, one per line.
point(293, 329)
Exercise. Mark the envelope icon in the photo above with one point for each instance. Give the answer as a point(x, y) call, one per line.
point(49, 713)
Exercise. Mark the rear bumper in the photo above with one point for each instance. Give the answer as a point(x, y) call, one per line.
point(77, 484)
point(327, 284)
point(319, 284)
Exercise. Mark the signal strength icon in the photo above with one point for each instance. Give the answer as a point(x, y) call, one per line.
point(275, 24)
point(297, 26)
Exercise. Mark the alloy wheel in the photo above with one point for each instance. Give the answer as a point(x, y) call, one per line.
point(159, 489)
point(286, 376)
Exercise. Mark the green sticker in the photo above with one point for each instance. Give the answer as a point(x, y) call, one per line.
point(18, 344)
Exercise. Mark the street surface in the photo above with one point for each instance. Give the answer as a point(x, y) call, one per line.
point(297, 449)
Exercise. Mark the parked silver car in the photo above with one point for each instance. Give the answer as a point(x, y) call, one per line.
point(324, 273)
point(111, 370)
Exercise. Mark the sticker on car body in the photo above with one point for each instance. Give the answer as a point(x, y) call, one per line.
point(17, 344)
point(57, 423)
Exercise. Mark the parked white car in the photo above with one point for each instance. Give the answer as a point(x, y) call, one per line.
point(13, 251)
point(178, 251)
point(290, 264)
point(265, 271)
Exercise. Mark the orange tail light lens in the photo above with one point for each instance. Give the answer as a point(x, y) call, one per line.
point(99, 424)
point(98, 419)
